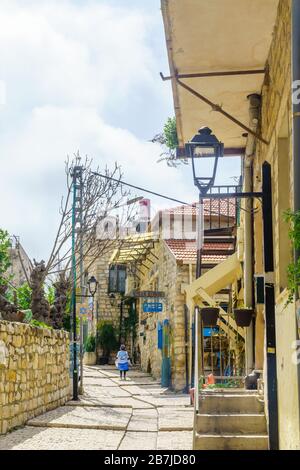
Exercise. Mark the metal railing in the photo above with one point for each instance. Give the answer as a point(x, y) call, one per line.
point(227, 210)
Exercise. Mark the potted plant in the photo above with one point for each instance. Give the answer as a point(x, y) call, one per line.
point(90, 358)
point(209, 316)
point(243, 316)
point(107, 340)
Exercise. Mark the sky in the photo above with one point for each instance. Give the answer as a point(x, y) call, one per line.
point(81, 75)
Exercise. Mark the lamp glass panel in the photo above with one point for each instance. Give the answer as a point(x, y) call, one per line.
point(204, 168)
point(93, 286)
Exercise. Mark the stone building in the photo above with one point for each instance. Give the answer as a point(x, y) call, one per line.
point(243, 58)
point(20, 263)
point(161, 262)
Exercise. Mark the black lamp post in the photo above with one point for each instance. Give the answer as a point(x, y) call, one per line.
point(93, 287)
point(204, 147)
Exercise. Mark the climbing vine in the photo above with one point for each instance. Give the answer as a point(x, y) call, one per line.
point(293, 269)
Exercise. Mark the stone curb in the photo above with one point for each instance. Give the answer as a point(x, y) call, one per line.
point(103, 427)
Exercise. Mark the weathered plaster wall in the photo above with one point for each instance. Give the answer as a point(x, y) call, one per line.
point(34, 372)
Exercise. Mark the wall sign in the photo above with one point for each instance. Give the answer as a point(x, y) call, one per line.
point(152, 307)
point(148, 293)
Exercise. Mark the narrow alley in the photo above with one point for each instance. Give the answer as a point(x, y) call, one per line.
point(112, 415)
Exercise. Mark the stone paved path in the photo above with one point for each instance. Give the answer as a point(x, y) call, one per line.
point(111, 415)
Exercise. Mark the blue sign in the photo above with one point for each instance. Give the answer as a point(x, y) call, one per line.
point(152, 307)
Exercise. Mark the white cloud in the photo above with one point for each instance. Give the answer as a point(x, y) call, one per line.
point(76, 72)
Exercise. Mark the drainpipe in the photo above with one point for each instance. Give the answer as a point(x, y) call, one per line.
point(254, 110)
point(296, 131)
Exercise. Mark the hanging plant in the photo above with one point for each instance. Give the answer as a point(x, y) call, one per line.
point(293, 269)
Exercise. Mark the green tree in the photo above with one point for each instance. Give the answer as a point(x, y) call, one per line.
point(50, 295)
point(24, 296)
point(5, 245)
point(106, 337)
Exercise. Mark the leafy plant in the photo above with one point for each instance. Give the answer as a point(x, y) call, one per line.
point(5, 245)
point(106, 336)
point(170, 134)
point(168, 139)
point(67, 322)
point(90, 344)
point(24, 296)
point(227, 384)
point(130, 323)
point(50, 295)
point(28, 316)
point(40, 324)
point(293, 269)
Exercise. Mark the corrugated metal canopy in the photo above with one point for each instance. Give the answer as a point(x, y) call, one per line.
point(217, 36)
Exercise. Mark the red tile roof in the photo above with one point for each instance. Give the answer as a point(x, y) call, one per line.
point(213, 252)
point(226, 207)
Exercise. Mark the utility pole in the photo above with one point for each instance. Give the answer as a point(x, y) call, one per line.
point(76, 229)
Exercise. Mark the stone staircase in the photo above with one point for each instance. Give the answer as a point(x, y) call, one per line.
point(230, 420)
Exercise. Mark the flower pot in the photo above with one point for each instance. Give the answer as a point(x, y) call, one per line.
point(243, 316)
point(209, 316)
point(89, 358)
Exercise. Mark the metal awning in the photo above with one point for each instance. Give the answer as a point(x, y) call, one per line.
point(135, 249)
point(211, 36)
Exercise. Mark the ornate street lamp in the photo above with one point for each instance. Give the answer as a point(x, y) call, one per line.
point(92, 285)
point(204, 145)
point(112, 299)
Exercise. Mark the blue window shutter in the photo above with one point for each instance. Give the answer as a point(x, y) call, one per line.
point(159, 335)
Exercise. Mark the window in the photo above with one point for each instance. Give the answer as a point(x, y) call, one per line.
point(117, 278)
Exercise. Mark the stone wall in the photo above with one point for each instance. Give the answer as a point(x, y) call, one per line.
point(34, 372)
point(276, 127)
point(104, 311)
point(165, 275)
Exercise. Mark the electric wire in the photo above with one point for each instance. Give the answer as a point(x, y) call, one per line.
point(159, 194)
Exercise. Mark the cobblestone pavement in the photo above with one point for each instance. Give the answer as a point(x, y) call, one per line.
point(136, 414)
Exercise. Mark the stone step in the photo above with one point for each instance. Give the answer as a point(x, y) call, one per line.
point(230, 403)
point(237, 423)
point(230, 442)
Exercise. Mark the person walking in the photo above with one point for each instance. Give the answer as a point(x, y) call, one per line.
point(123, 361)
